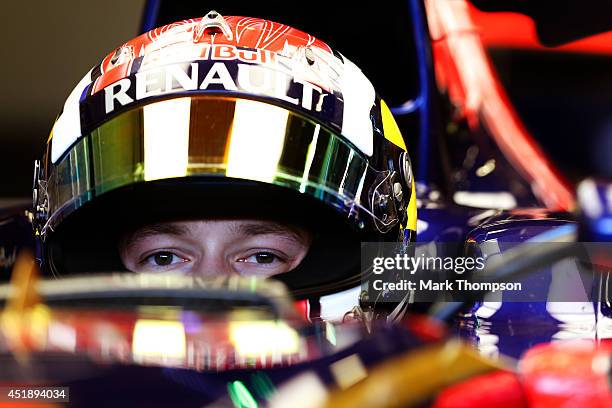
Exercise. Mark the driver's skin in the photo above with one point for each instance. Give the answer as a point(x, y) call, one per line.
point(215, 247)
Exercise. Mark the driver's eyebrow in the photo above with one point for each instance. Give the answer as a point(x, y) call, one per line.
point(265, 228)
point(157, 229)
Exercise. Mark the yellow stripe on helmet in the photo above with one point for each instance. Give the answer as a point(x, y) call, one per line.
point(390, 128)
point(412, 210)
point(393, 134)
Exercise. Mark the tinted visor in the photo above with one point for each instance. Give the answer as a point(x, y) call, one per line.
point(216, 137)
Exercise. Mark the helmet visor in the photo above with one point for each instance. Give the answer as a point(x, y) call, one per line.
point(216, 137)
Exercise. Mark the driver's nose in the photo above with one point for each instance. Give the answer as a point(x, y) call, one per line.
point(213, 264)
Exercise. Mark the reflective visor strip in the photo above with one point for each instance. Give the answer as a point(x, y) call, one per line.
point(215, 136)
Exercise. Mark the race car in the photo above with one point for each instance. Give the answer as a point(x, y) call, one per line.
point(483, 185)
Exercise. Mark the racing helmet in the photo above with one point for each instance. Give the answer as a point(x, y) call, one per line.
point(218, 116)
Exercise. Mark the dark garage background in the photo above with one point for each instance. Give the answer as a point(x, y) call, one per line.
point(47, 47)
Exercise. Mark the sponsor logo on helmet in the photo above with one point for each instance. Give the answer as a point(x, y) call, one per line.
point(219, 76)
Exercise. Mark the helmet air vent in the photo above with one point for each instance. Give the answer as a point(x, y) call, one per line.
point(212, 23)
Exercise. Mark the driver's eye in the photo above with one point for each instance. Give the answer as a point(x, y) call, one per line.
point(163, 259)
point(265, 257)
point(262, 258)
